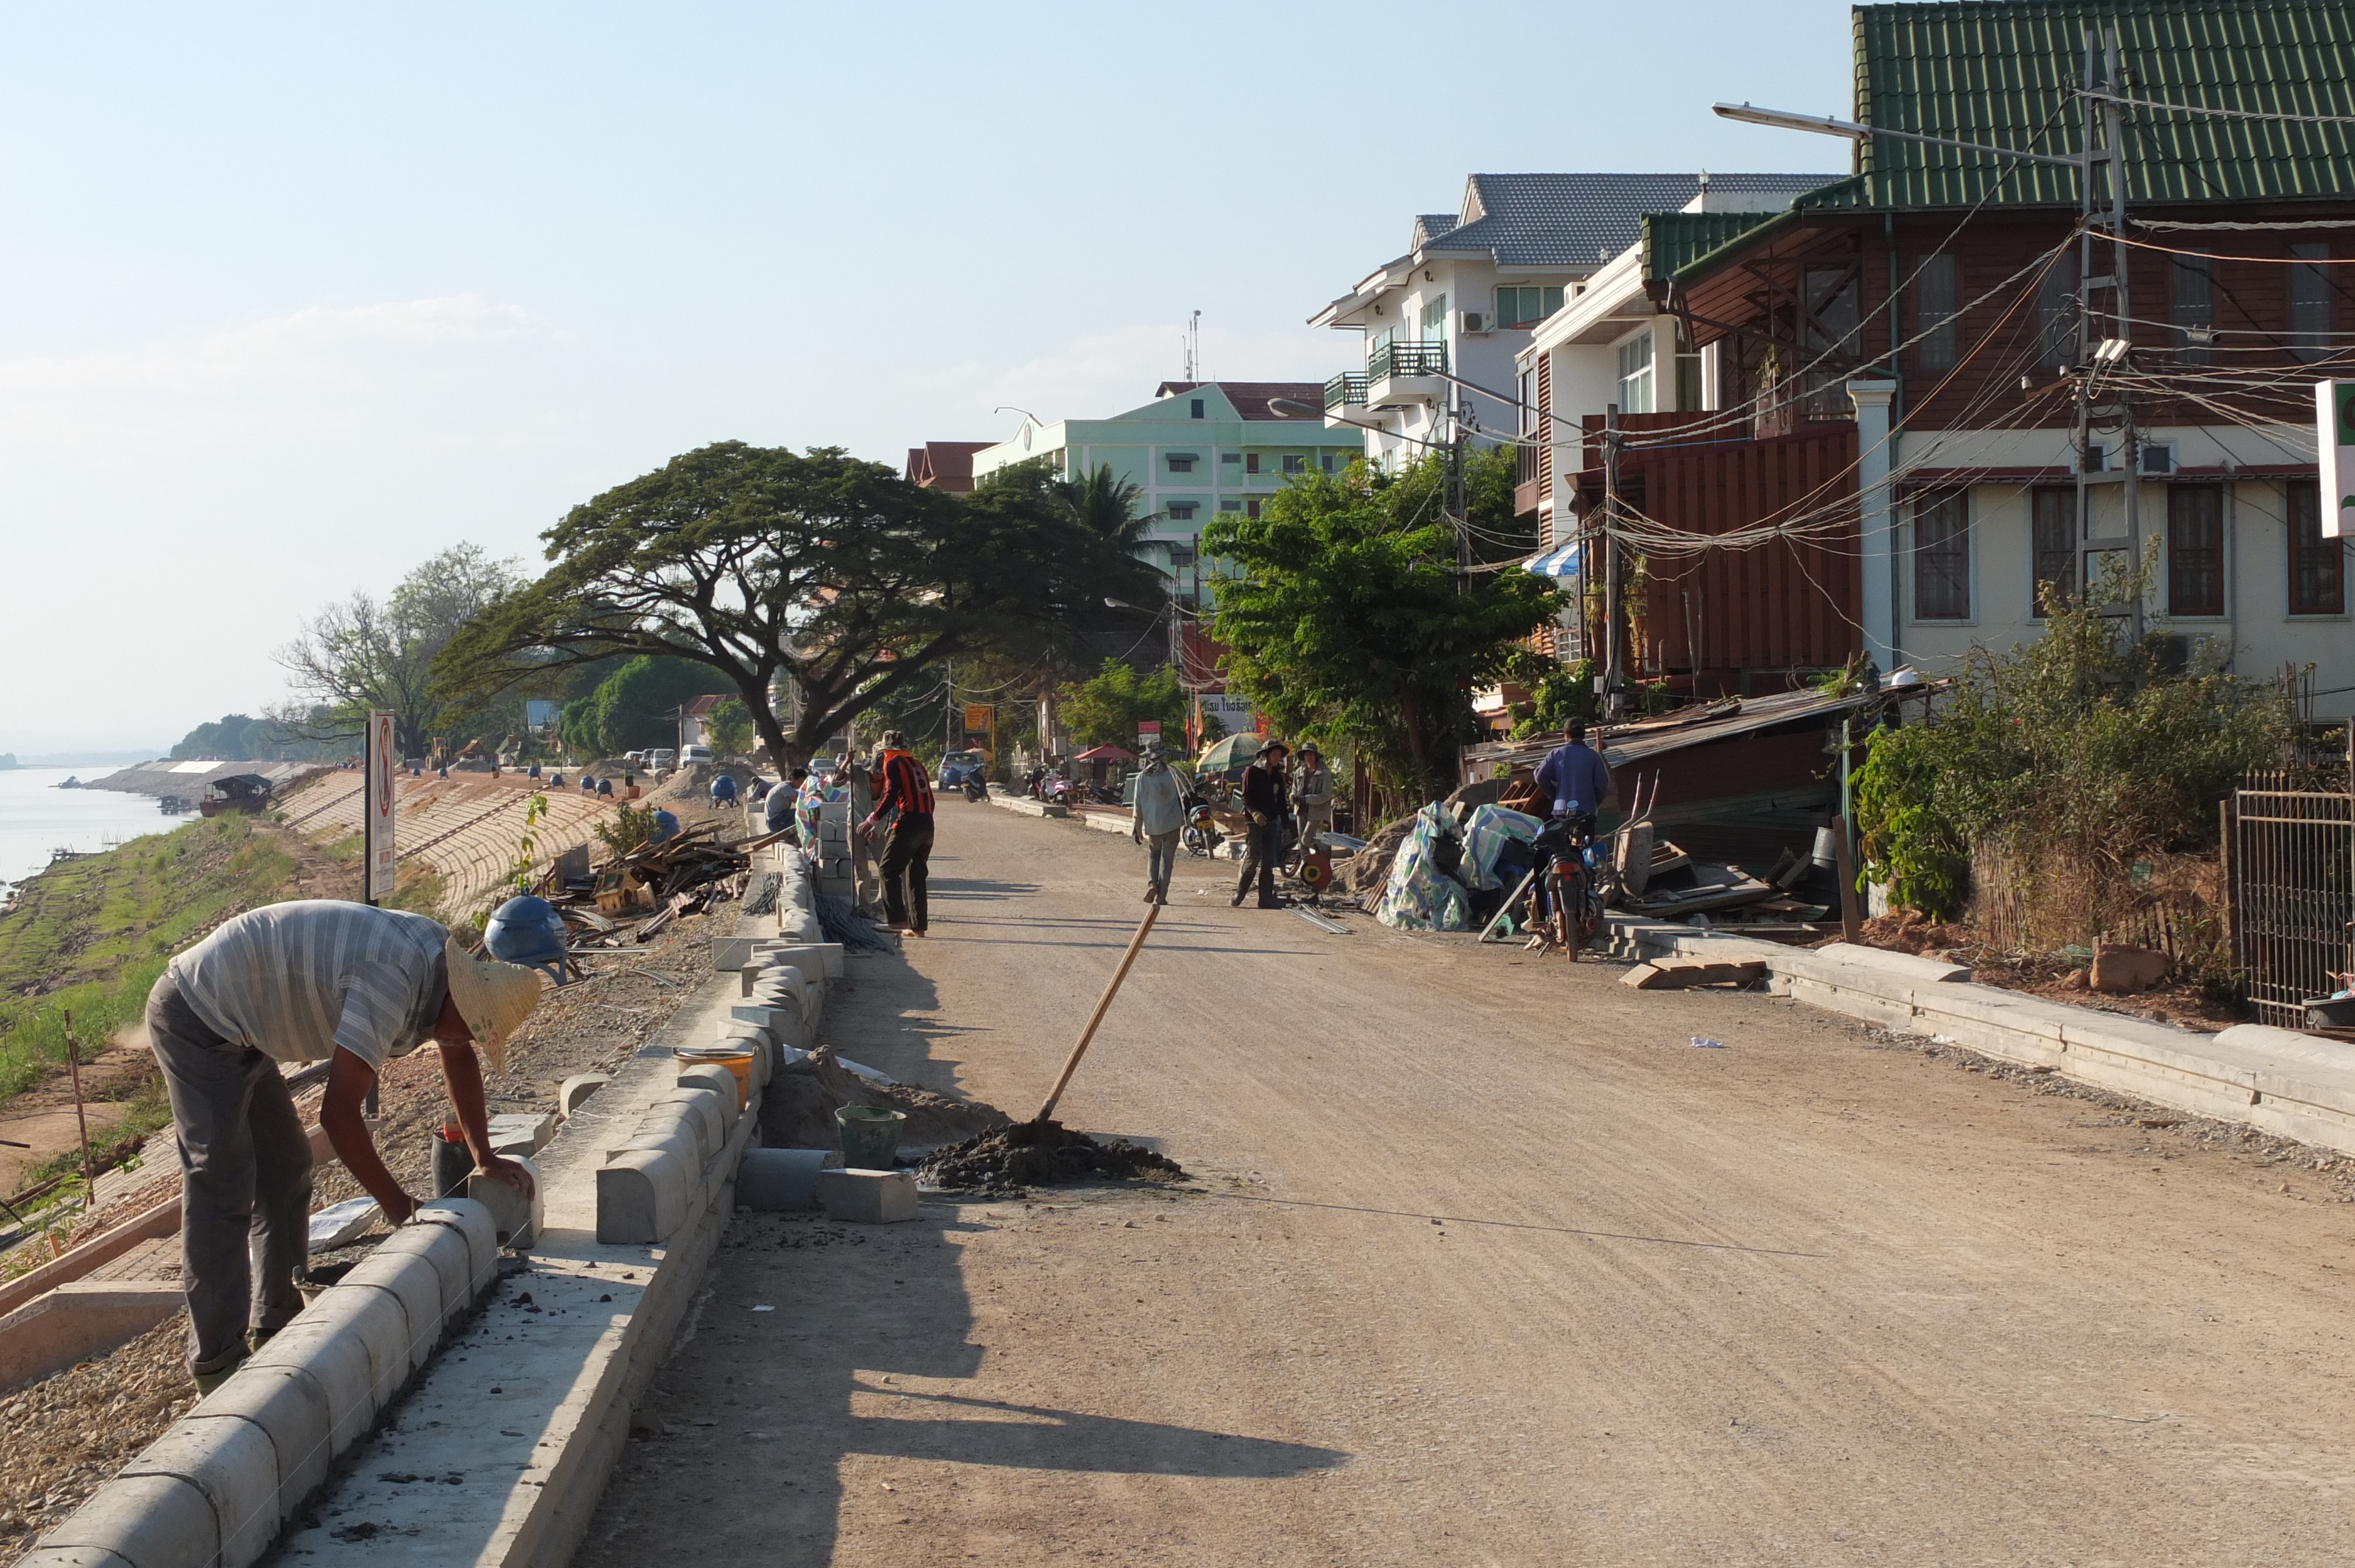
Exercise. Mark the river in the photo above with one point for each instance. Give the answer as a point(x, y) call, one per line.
point(36, 817)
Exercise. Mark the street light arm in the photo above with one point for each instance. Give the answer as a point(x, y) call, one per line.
point(1825, 125)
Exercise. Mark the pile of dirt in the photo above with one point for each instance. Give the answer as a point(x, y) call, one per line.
point(67, 1434)
point(1368, 870)
point(1907, 930)
point(797, 1108)
point(1040, 1154)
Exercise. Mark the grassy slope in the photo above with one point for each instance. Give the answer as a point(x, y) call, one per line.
point(91, 936)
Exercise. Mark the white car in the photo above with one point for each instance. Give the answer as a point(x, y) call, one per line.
point(695, 754)
point(661, 758)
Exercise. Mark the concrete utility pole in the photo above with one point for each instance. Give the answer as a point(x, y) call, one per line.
point(2114, 328)
point(1614, 681)
point(1458, 512)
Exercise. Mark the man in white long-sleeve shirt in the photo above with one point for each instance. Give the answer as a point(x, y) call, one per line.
point(305, 981)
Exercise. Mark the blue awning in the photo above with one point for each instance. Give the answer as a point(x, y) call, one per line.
point(1559, 562)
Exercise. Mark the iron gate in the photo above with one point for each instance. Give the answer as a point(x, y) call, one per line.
point(2291, 882)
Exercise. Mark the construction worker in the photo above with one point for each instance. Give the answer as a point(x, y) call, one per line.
point(907, 795)
point(1158, 817)
point(306, 982)
point(1312, 794)
point(1263, 805)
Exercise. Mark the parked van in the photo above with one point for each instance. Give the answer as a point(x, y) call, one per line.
point(695, 754)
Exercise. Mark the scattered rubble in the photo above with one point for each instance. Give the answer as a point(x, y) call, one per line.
point(1003, 1161)
point(67, 1434)
point(797, 1108)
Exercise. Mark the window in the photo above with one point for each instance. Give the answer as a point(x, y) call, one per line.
point(2309, 302)
point(1324, 461)
point(1251, 507)
point(2318, 581)
point(1835, 332)
point(1935, 292)
point(1181, 463)
point(1635, 375)
point(1181, 511)
point(1251, 464)
point(1231, 457)
point(2195, 310)
point(1525, 306)
point(2053, 523)
point(1198, 408)
point(1230, 505)
point(1434, 319)
point(1688, 370)
point(1296, 465)
point(2056, 313)
point(2195, 549)
point(1942, 557)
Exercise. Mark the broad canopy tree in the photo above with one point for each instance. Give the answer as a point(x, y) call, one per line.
point(1349, 619)
point(762, 562)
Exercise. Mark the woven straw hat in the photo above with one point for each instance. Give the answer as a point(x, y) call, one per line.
point(493, 998)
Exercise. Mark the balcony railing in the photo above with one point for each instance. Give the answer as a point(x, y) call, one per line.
point(1389, 359)
point(1345, 388)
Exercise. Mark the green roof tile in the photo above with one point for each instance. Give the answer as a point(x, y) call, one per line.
point(2001, 73)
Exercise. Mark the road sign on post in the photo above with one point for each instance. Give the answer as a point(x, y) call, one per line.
point(2334, 419)
point(379, 762)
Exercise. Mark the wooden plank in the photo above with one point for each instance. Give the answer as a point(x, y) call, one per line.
point(1679, 973)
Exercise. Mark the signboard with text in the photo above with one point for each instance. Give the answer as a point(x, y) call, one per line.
point(379, 761)
point(2334, 419)
point(979, 716)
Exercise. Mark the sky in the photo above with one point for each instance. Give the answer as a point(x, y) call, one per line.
point(292, 298)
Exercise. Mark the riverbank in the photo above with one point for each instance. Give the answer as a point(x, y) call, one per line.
point(89, 936)
point(38, 818)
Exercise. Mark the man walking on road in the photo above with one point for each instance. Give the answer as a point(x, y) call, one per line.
point(1160, 814)
point(907, 794)
point(1573, 780)
point(306, 982)
point(1263, 839)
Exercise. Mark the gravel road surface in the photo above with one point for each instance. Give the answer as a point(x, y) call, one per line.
point(1490, 1266)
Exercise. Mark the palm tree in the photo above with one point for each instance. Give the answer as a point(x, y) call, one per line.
point(1107, 506)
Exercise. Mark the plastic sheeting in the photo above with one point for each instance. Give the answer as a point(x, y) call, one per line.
point(1420, 896)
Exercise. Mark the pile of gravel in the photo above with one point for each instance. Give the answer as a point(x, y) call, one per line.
point(1005, 1159)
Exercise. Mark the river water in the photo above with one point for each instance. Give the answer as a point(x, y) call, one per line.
point(36, 817)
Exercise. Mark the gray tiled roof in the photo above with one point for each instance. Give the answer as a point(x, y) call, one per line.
point(1577, 220)
point(1430, 225)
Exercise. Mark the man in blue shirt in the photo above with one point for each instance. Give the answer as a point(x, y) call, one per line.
point(1572, 781)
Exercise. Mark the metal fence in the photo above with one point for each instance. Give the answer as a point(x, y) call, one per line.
point(2290, 876)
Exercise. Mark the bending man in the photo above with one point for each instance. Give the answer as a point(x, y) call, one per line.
point(306, 982)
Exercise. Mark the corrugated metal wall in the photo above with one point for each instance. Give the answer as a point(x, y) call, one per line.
point(1785, 604)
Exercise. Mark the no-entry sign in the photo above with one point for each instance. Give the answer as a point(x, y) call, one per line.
point(379, 762)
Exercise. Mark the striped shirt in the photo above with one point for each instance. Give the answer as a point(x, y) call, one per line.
point(905, 788)
point(295, 980)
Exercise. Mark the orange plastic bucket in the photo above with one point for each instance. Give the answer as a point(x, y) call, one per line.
point(736, 1059)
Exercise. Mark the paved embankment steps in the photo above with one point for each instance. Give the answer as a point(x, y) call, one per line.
point(499, 1425)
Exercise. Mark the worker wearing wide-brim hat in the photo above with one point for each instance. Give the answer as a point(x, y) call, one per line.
point(308, 981)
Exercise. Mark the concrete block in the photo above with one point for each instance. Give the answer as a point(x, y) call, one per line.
point(823, 958)
point(74, 1557)
point(337, 1365)
point(729, 953)
point(868, 1197)
point(1932, 971)
point(413, 1282)
point(678, 1129)
point(515, 1219)
point(77, 1320)
point(291, 1407)
point(446, 1252)
point(712, 1076)
point(474, 1221)
point(714, 1109)
point(642, 1196)
point(232, 1462)
point(152, 1522)
point(2290, 1046)
point(775, 1181)
point(520, 1133)
point(2121, 971)
point(373, 1318)
point(786, 1023)
point(574, 1092)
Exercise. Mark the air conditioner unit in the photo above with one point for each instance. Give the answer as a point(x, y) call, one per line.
point(1478, 321)
point(2157, 457)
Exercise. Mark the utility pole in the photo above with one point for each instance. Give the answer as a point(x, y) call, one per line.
point(1457, 511)
point(1614, 679)
point(2103, 75)
point(949, 736)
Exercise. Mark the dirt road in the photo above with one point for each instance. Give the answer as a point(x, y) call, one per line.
point(1492, 1266)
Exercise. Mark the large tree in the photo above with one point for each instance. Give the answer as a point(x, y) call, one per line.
point(763, 563)
point(1350, 620)
point(361, 654)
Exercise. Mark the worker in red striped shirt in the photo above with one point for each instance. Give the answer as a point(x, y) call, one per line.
point(906, 798)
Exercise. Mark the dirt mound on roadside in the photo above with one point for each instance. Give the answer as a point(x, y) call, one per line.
point(1369, 870)
point(797, 1108)
point(1040, 1154)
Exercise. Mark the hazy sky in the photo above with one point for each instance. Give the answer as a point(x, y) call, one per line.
point(291, 298)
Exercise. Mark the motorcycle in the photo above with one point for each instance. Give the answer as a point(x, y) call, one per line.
point(975, 789)
point(1055, 789)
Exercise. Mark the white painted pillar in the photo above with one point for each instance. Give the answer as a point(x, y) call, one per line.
point(1877, 555)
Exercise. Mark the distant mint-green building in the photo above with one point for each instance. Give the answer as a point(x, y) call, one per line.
point(1197, 450)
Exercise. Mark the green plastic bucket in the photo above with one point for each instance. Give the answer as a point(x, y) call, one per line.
point(870, 1136)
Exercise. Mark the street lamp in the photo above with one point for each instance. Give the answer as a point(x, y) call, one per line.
point(1825, 125)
